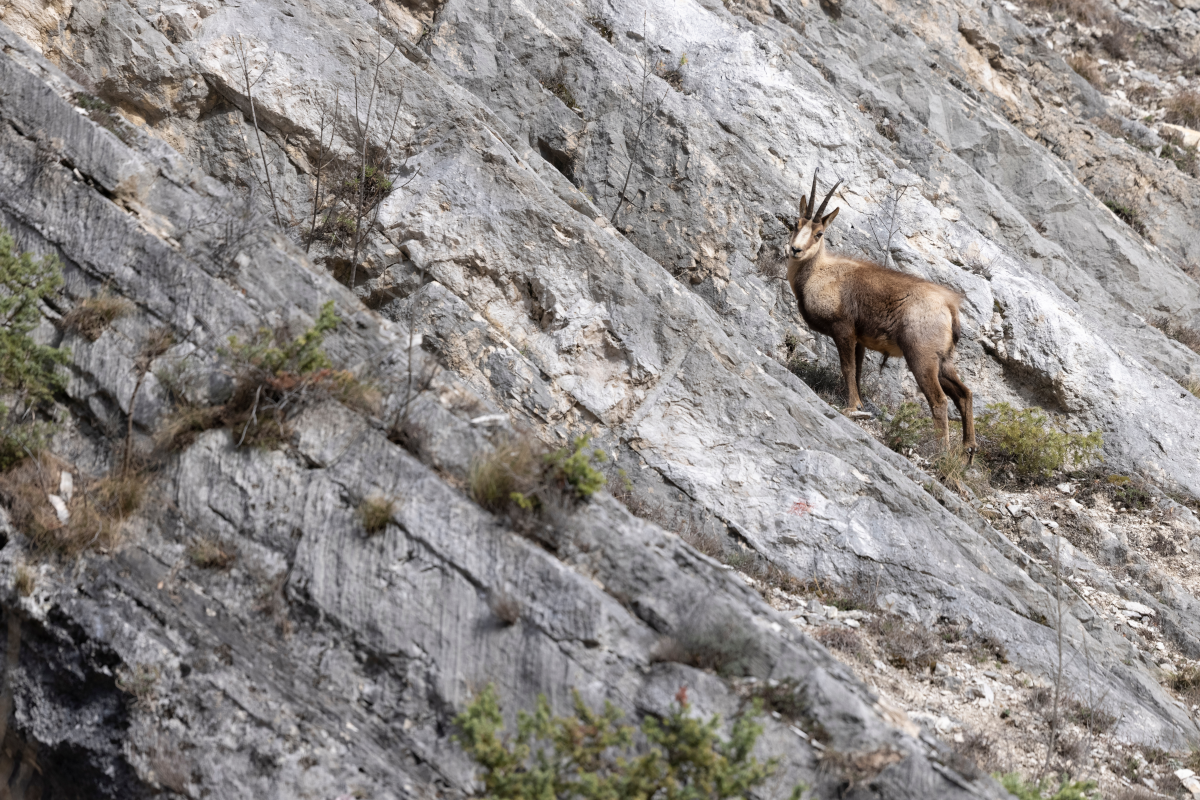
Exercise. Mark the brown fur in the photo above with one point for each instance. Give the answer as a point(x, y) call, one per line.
point(861, 306)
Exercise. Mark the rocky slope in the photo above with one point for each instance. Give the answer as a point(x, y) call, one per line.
point(329, 662)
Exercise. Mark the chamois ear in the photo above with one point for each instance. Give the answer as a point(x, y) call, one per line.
point(803, 211)
point(829, 217)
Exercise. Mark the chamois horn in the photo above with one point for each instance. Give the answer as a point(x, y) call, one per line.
point(812, 198)
point(825, 202)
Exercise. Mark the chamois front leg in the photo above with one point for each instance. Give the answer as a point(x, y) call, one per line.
point(846, 343)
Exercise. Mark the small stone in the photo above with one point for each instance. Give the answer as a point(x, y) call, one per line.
point(851, 623)
point(60, 508)
point(1066, 488)
point(814, 608)
point(831, 612)
point(1015, 509)
point(877, 664)
point(1030, 527)
point(1142, 610)
point(1051, 524)
point(66, 486)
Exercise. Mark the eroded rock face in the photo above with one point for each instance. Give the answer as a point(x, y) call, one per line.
point(328, 661)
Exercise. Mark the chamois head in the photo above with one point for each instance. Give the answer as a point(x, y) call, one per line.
point(809, 236)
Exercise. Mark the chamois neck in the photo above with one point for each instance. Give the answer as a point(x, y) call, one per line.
point(801, 268)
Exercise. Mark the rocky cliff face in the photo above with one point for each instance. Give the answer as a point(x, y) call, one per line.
point(580, 233)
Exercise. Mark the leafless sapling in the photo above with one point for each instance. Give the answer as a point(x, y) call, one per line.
point(243, 58)
point(648, 104)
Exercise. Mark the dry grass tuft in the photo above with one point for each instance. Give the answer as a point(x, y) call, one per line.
point(1186, 335)
point(209, 553)
point(841, 639)
point(956, 473)
point(1087, 68)
point(1086, 12)
point(186, 422)
point(513, 467)
point(726, 647)
point(705, 541)
point(375, 513)
point(859, 592)
point(25, 580)
point(93, 315)
point(906, 646)
point(1186, 683)
point(141, 682)
point(1184, 109)
point(860, 768)
point(505, 607)
point(24, 490)
point(97, 511)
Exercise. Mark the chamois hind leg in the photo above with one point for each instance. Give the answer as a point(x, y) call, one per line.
point(845, 346)
point(961, 395)
point(925, 368)
point(859, 352)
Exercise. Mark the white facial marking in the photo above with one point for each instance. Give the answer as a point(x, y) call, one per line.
point(802, 240)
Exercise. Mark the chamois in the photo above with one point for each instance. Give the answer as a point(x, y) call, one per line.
point(862, 305)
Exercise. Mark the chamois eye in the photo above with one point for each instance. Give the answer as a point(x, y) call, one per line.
point(819, 234)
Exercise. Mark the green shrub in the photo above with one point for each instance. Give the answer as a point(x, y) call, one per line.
point(29, 372)
point(519, 472)
point(1128, 214)
point(376, 187)
point(906, 428)
point(264, 353)
point(1131, 495)
point(1026, 440)
point(591, 755)
point(1067, 790)
point(574, 465)
point(273, 378)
